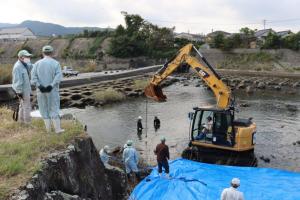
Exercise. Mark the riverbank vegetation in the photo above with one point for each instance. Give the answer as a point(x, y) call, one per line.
point(140, 84)
point(109, 95)
point(5, 73)
point(246, 36)
point(142, 38)
point(23, 146)
point(260, 61)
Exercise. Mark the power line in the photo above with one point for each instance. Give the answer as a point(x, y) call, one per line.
point(283, 20)
point(229, 24)
point(203, 23)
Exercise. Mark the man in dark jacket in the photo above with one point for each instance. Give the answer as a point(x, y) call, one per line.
point(139, 125)
point(156, 123)
point(163, 155)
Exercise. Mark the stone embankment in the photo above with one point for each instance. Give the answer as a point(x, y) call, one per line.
point(75, 174)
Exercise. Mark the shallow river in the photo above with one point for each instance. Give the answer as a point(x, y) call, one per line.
point(277, 127)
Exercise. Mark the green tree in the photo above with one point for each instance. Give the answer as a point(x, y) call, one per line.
point(272, 41)
point(228, 44)
point(85, 33)
point(247, 31)
point(247, 34)
point(141, 38)
point(218, 41)
point(237, 40)
point(133, 23)
point(292, 41)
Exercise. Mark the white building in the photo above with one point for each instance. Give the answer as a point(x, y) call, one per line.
point(16, 34)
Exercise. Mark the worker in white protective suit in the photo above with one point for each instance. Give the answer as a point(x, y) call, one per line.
point(46, 76)
point(232, 193)
point(104, 155)
point(131, 159)
point(21, 85)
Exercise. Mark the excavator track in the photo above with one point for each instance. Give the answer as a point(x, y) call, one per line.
point(221, 157)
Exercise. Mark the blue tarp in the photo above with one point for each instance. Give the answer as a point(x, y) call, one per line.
point(193, 180)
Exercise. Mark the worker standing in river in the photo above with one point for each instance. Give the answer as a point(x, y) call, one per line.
point(163, 155)
point(156, 123)
point(139, 125)
point(46, 76)
point(232, 193)
point(131, 159)
point(21, 85)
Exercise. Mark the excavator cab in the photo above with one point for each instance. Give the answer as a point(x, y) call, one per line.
point(221, 131)
point(229, 141)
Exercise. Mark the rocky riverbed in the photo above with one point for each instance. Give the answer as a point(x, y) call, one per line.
point(251, 84)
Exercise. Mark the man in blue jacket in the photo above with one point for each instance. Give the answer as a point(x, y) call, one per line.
point(21, 85)
point(131, 159)
point(46, 76)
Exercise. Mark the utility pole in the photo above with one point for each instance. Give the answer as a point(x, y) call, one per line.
point(264, 23)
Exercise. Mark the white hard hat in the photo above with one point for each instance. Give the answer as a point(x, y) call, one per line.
point(140, 117)
point(235, 181)
point(106, 147)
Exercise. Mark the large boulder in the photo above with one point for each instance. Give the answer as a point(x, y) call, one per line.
point(76, 173)
point(249, 90)
point(261, 85)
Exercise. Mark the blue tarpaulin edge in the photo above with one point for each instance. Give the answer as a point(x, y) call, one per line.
point(194, 180)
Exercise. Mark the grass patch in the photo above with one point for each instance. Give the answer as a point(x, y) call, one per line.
point(140, 84)
point(109, 96)
point(5, 73)
point(89, 67)
point(251, 61)
point(2, 51)
point(23, 146)
point(66, 51)
point(95, 46)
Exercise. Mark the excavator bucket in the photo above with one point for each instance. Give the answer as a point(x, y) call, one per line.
point(155, 92)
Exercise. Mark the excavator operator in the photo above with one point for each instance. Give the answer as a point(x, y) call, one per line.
point(207, 128)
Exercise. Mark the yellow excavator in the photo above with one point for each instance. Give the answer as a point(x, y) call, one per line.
point(228, 141)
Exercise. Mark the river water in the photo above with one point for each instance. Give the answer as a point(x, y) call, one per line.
point(277, 127)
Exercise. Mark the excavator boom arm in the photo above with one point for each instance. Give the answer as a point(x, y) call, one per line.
point(206, 73)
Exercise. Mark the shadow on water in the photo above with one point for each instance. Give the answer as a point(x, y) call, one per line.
point(277, 127)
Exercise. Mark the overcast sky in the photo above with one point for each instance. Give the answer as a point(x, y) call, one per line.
point(195, 16)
